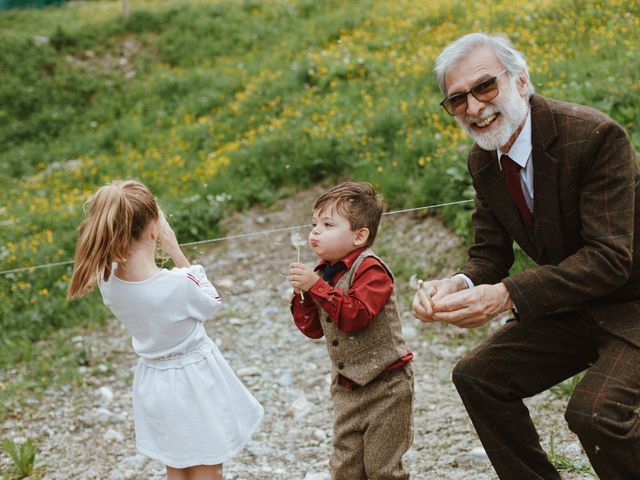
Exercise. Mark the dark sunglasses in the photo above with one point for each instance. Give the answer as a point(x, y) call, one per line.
point(484, 91)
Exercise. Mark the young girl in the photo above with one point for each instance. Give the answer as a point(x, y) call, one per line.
point(191, 412)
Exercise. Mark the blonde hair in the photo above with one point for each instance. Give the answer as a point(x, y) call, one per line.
point(118, 215)
point(358, 202)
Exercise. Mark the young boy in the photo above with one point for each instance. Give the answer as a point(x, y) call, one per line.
point(348, 298)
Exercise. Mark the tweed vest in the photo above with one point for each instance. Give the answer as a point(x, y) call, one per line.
point(362, 356)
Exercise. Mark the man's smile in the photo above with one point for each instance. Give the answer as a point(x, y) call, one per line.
point(485, 122)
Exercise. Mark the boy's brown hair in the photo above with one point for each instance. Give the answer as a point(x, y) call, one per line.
point(358, 202)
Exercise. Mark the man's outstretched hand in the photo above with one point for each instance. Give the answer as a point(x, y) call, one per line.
point(450, 301)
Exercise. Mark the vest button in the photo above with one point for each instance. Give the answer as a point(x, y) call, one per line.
point(328, 320)
point(340, 366)
point(335, 343)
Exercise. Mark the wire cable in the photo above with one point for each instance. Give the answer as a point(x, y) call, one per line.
point(235, 237)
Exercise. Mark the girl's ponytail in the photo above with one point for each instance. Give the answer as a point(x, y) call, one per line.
point(118, 215)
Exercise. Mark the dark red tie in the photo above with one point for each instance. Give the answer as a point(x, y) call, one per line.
point(512, 175)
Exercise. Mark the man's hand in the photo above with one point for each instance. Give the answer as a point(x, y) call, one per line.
point(302, 277)
point(430, 292)
point(473, 307)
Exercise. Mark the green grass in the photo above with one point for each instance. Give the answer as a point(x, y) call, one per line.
point(565, 464)
point(23, 456)
point(222, 105)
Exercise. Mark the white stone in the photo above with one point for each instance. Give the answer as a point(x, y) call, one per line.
point(319, 434)
point(223, 282)
point(317, 476)
point(112, 435)
point(249, 284)
point(136, 461)
point(300, 407)
point(103, 415)
point(248, 372)
point(106, 393)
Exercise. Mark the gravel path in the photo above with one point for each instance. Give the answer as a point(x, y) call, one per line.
point(85, 430)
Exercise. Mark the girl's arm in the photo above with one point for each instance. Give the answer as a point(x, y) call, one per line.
point(169, 243)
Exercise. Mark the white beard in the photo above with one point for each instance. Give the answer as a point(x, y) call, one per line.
point(513, 109)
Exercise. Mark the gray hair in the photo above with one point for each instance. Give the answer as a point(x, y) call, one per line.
point(462, 48)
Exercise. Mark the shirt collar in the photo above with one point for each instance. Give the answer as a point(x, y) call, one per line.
point(520, 151)
point(348, 259)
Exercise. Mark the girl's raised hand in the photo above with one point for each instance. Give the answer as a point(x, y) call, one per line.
point(169, 243)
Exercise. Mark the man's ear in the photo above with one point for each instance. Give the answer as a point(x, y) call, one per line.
point(522, 82)
point(362, 235)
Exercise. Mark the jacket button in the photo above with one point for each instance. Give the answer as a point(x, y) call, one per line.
point(340, 366)
point(335, 343)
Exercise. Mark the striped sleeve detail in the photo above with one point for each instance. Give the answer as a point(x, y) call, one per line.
point(193, 279)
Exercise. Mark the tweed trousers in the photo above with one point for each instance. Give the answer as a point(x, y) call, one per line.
point(373, 427)
point(525, 358)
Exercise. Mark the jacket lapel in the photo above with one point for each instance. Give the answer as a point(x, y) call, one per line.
point(546, 187)
point(504, 208)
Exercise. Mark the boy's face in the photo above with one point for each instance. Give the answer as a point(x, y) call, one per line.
point(331, 237)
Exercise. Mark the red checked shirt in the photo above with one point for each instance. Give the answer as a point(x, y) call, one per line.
point(352, 311)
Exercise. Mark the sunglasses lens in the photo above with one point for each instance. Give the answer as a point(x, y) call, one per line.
point(455, 104)
point(486, 90)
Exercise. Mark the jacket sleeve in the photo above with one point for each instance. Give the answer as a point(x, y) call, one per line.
point(603, 264)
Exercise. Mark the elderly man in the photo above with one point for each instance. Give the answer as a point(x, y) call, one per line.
point(560, 180)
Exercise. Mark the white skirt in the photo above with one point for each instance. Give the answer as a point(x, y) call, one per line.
point(191, 409)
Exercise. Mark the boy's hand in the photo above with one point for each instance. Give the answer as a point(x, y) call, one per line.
point(302, 277)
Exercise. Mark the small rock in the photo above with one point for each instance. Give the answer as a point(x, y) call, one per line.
point(319, 434)
point(248, 372)
point(103, 415)
point(136, 461)
point(112, 435)
point(317, 476)
point(478, 453)
point(224, 282)
point(106, 393)
point(300, 407)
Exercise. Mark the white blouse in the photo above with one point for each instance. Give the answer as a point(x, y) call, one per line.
point(163, 313)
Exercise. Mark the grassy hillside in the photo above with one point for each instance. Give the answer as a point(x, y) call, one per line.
point(221, 105)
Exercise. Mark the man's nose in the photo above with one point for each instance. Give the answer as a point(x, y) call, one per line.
point(474, 106)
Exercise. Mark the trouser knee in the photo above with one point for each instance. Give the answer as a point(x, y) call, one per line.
point(589, 418)
point(464, 376)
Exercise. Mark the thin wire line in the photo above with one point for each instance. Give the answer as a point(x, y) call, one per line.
point(236, 237)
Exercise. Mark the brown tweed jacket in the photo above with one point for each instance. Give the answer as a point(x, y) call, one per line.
point(586, 238)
